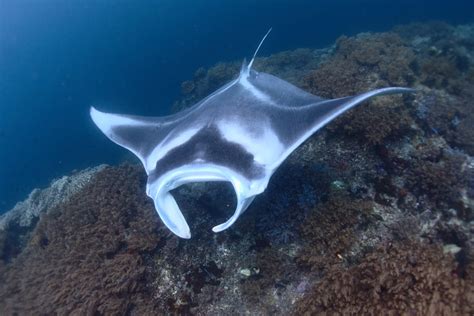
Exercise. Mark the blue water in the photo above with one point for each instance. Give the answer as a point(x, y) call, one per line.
point(59, 57)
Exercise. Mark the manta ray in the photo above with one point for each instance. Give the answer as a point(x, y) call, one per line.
point(241, 133)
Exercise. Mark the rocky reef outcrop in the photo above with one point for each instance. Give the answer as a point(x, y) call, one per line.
point(17, 224)
point(372, 215)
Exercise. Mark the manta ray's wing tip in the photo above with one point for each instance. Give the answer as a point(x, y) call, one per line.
point(96, 115)
point(102, 120)
point(408, 90)
point(93, 111)
point(393, 90)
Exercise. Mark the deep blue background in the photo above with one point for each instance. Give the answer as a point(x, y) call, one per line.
point(59, 57)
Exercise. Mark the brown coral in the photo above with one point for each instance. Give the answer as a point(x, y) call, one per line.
point(268, 274)
point(373, 123)
point(359, 64)
point(464, 136)
point(411, 278)
point(448, 116)
point(363, 63)
point(440, 180)
point(87, 256)
point(439, 72)
point(332, 229)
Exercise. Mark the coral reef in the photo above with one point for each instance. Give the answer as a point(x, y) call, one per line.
point(86, 256)
point(441, 179)
point(377, 121)
point(402, 278)
point(372, 215)
point(365, 62)
point(358, 64)
point(60, 190)
point(17, 224)
point(332, 228)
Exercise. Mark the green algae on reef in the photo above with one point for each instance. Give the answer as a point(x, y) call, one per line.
point(372, 215)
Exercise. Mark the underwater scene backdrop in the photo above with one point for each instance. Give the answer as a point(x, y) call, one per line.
point(57, 58)
point(371, 215)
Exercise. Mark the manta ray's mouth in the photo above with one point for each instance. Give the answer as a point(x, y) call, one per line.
point(205, 204)
point(168, 209)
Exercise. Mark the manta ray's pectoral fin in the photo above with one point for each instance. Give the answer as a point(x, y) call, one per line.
point(135, 133)
point(321, 113)
point(306, 120)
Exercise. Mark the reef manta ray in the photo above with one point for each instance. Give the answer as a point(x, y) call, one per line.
point(241, 133)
